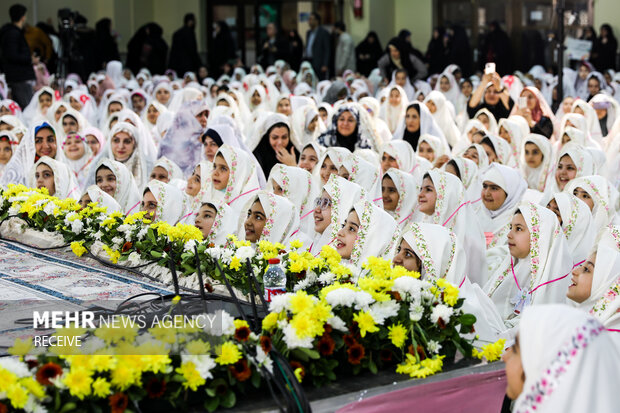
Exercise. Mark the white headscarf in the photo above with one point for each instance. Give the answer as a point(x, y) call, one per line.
point(343, 194)
point(137, 162)
point(174, 172)
point(103, 199)
point(408, 188)
point(542, 277)
point(604, 195)
point(577, 224)
point(580, 157)
point(365, 174)
point(516, 135)
point(454, 212)
point(170, 202)
point(377, 233)
point(242, 180)
point(64, 180)
point(80, 167)
point(16, 171)
point(33, 111)
point(454, 92)
point(493, 128)
point(126, 194)
point(502, 150)
point(570, 362)
point(445, 117)
point(435, 143)
point(225, 223)
point(406, 157)
point(496, 223)
point(394, 115)
point(282, 218)
point(604, 300)
point(594, 127)
point(299, 188)
point(537, 177)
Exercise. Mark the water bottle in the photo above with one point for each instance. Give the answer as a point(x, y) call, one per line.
point(274, 279)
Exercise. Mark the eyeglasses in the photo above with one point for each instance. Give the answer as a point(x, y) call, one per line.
point(322, 203)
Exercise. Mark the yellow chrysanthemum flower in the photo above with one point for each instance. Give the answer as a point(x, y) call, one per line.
point(78, 381)
point(101, 387)
point(192, 377)
point(270, 321)
point(228, 353)
point(21, 347)
point(235, 264)
point(78, 248)
point(397, 334)
point(365, 323)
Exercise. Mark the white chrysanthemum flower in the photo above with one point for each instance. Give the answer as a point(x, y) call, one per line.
point(189, 245)
point(433, 346)
point(341, 296)
point(98, 235)
point(441, 311)
point(19, 368)
point(134, 258)
point(279, 303)
point(49, 208)
point(142, 233)
point(203, 363)
point(382, 310)
point(407, 286)
point(302, 285)
point(263, 359)
point(77, 226)
point(363, 300)
point(244, 253)
point(337, 324)
point(416, 311)
point(327, 278)
point(293, 341)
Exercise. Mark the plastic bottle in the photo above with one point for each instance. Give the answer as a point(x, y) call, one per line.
point(274, 280)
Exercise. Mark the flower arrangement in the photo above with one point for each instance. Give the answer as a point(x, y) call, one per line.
point(335, 320)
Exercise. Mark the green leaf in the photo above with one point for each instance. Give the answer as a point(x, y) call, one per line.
point(155, 254)
point(229, 400)
point(212, 404)
point(255, 379)
point(67, 407)
point(372, 366)
point(467, 319)
point(211, 391)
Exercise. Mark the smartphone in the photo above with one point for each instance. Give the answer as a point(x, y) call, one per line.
point(522, 103)
point(489, 68)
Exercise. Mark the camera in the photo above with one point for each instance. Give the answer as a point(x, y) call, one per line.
point(65, 19)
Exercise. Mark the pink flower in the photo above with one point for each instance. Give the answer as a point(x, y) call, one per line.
point(536, 228)
point(535, 260)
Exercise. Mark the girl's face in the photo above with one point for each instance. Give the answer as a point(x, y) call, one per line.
point(122, 146)
point(256, 99)
point(503, 133)
point(45, 143)
point(69, 124)
point(583, 72)
point(493, 196)
point(394, 97)
point(578, 110)
point(519, 237)
point(412, 120)
point(322, 212)
point(427, 197)
point(210, 148)
point(75, 104)
point(114, 107)
point(277, 189)
point(388, 161)
point(451, 169)
point(466, 89)
point(444, 84)
point(5, 151)
point(567, 103)
point(193, 183)
point(308, 159)
point(327, 168)
point(553, 207)
point(515, 375)
point(74, 147)
point(346, 124)
point(426, 151)
point(566, 171)
point(484, 119)
point(278, 138)
point(407, 258)
point(106, 180)
point(152, 114)
point(45, 101)
point(400, 79)
point(323, 114)
point(223, 102)
point(313, 123)
point(345, 240)
point(343, 173)
point(202, 118)
point(472, 155)
point(255, 222)
point(205, 219)
point(581, 285)
point(389, 193)
point(531, 99)
point(85, 200)
point(6, 111)
point(149, 204)
point(220, 174)
point(533, 155)
point(584, 196)
point(160, 174)
point(138, 103)
point(594, 86)
point(490, 152)
point(284, 107)
point(44, 177)
point(431, 106)
point(93, 144)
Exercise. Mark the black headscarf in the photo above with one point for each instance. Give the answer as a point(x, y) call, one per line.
point(265, 154)
point(334, 138)
point(405, 60)
point(413, 137)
